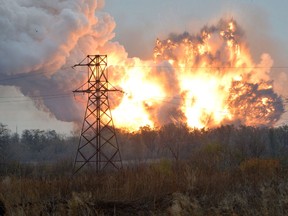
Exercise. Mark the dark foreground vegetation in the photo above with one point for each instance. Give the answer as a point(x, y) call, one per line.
point(171, 171)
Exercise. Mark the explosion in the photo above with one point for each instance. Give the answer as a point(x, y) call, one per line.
point(203, 80)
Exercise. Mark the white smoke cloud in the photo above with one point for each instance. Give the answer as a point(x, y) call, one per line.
point(40, 34)
point(46, 38)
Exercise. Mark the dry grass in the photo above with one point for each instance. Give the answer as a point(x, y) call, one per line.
point(256, 187)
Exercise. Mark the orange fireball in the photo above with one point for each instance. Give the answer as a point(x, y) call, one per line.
point(204, 80)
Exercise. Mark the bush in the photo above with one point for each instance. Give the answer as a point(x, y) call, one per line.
point(257, 167)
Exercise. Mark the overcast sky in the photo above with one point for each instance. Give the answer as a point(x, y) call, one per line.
point(139, 23)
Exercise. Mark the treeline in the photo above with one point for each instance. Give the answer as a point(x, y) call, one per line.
point(233, 144)
point(34, 146)
point(229, 144)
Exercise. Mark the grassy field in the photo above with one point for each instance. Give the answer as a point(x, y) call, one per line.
point(255, 187)
point(175, 171)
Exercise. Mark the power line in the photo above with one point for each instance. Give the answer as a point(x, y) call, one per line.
point(166, 99)
point(23, 76)
point(28, 75)
point(208, 67)
point(36, 96)
point(39, 97)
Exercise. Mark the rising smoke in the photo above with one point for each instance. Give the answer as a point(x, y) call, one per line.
point(42, 39)
point(47, 38)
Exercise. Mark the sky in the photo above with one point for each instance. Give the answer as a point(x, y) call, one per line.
point(263, 20)
point(136, 26)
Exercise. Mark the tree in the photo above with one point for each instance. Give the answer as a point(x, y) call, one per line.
point(34, 139)
point(4, 143)
point(149, 136)
point(174, 137)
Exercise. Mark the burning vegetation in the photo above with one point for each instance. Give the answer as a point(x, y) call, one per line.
point(203, 80)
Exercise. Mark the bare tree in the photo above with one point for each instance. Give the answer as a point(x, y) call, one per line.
point(174, 137)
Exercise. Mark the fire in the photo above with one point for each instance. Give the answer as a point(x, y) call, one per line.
point(140, 94)
point(203, 80)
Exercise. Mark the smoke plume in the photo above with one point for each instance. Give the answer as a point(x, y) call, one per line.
point(41, 40)
point(203, 79)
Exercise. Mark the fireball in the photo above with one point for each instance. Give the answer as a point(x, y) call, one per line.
point(203, 80)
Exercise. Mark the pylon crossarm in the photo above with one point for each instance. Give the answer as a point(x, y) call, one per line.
point(80, 64)
point(91, 91)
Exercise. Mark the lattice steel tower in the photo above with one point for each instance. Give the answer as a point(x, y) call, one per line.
point(98, 145)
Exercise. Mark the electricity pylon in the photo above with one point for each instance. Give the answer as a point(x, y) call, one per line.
point(98, 145)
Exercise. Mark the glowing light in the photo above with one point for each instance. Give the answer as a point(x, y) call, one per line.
point(206, 83)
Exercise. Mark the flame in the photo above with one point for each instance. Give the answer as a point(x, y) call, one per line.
point(140, 95)
point(203, 80)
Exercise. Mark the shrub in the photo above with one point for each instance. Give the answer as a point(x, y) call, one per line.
point(257, 167)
